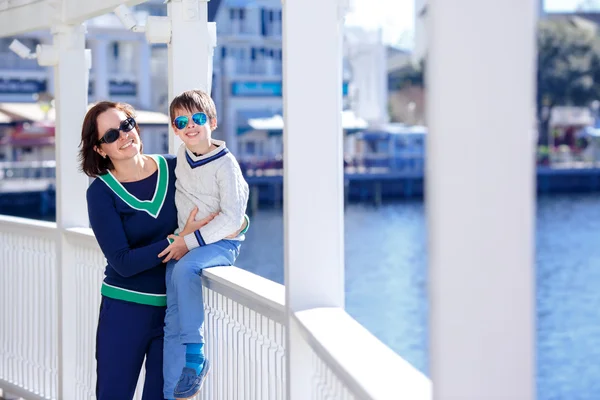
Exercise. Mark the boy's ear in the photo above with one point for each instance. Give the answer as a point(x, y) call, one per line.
point(213, 124)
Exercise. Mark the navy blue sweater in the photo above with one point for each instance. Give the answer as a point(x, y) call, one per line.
point(131, 222)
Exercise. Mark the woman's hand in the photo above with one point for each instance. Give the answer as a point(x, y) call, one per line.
point(175, 250)
point(191, 225)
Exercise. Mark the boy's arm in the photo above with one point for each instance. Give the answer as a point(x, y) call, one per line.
point(233, 191)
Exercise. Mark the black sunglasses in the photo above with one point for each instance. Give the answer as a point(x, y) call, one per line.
point(113, 134)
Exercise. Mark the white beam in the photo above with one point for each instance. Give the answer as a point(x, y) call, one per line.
point(480, 198)
point(313, 175)
point(77, 11)
point(29, 17)
point(43, 14)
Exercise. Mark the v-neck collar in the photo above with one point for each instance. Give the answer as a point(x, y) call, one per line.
point(195, 161)
point(152, 207)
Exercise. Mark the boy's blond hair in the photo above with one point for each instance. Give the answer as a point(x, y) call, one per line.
point(192, 100)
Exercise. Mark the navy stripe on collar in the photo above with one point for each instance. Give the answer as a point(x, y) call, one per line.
point(204, 161)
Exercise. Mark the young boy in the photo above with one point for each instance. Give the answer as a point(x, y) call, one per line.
point(208, 177)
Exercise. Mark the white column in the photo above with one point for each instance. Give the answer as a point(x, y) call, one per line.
point(71, 96)
point(480, 198)
point(313, 225)
point(189, 51)
point(100, 48)
point(144, 75)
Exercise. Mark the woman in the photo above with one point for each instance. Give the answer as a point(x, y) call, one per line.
point(131, 209)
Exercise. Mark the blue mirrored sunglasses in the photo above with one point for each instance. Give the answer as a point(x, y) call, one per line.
point(183, 120)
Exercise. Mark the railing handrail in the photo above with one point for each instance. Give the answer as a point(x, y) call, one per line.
point(30, 226)
point(248, 289)
point(374, 373)
point(260, 294)
point(83, 236)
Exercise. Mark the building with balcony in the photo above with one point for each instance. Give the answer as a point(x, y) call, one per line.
point(247, 67)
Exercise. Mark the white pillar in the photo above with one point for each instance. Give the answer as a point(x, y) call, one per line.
point(144, 75)
point(100, 49)
point(71, 97)
point(313, 225)
point(480, 198)
point(190, 52)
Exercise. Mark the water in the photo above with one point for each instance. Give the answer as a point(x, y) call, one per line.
point(386, 258)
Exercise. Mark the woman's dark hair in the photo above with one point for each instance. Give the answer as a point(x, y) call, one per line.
point(92, 163)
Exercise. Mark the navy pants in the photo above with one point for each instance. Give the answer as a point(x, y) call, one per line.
point(128, 332)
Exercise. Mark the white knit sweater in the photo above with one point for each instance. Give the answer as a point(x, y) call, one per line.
point(212, 182)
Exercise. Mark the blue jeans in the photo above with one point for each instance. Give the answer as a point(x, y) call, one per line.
point(184, 320)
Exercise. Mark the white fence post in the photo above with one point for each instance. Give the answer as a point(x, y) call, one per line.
point(480, 198)
point(190, 51)
point(313, 173)
point(71, 97)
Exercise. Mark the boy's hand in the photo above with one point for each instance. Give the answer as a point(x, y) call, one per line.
point(175, 250)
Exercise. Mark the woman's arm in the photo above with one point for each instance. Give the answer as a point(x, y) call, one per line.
point(108, 229)
point(178, 248)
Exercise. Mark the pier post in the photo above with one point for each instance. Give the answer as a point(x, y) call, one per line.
point(313, 191)
point(377, 193)
point(277, 195)
point(254, 199)
point(480, 204)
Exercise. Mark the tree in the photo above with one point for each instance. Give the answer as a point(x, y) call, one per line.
point(568, 61)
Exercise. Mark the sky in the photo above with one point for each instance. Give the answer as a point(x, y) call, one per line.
point(396, 17)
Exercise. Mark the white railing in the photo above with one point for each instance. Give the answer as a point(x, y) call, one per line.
point(245, 328)
point(349, 363)
point(245, 321)
point(28, 312)
point(245, 318)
